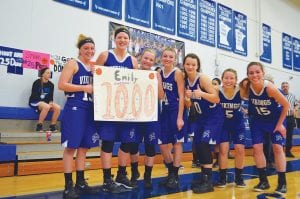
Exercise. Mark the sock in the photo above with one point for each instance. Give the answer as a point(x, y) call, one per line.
point(238, 173)
point(262, 172)
point(175, 170)
point(208, 172)
point(281, 178)
point(223, 174)
point(148, 171)
point(134, 167)
point(122, 170)
point(170, 167)
point(79, 176)
point(106, 173)
point(68, 178)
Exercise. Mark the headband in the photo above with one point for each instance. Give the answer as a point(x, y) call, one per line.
point(84, 41)
point(125, 30)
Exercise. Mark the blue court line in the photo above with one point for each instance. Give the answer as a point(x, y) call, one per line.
point(158, 190)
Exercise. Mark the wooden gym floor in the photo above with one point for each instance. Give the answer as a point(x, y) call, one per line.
point(50, 186)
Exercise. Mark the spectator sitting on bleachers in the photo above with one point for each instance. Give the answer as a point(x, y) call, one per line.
point(41, 99)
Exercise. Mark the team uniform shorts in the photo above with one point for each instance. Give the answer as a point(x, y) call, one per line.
point(78, 127)
point(169, 131)
point(233, 130)
point(260, 127)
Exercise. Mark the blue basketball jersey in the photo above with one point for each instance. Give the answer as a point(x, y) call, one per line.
point(113, 61)
point(83, 76)
point(263, 107)
point(171, 98)
point(202, 106)
point(231, 106)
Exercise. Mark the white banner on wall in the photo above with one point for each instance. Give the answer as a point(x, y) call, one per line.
point(125, 94)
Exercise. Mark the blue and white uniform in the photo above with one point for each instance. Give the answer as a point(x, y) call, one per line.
point(264, 113)
point(77, 125)
point(234, 122)
point(169, 112)
point(122, 131)
point(209, 118)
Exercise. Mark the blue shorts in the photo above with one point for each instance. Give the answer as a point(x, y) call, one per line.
point(208, 128)
point(233, 130)
point(148, 132)
point(259, 127)
point(78, 128)
point(169, 131)
point(124, 132)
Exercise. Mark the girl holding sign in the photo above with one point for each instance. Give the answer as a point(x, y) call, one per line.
point(147, 131)
point(201, 96)
point(171, 116)
point(78, 132)
point(109, 131)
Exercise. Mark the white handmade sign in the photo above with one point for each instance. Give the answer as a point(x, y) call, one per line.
point(125, 94)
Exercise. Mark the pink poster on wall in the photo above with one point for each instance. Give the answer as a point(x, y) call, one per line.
point(35, 60)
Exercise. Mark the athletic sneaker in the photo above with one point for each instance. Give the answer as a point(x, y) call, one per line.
point(239, 182)
point(83, 187)
point(39, 127)
point(69, 192)
point(148, 183)
point(134, 177)
point(113, 187)
point(261, 186)
point(123, 180)
point(53, 128)
point(204, 186)
point(173, 182)
point(221, 184)
point(281, 189)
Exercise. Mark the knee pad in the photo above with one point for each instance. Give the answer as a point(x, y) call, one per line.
point(149, 150)
point(107, 146)
point(134, 148)
point(125, 147)
point(204, 153)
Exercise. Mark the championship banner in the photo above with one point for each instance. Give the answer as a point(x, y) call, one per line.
point(126, 95)
point(240, 33)
point(287, 51)
point(82, 4)
point(266, 44)
point(138, 12)
point(164, 16)
point(187, 19)
point(111, 8)
point(224, 24)
point(296, 54)
point(206, 22)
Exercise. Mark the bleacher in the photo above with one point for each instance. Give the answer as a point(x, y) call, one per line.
point(20, 143)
